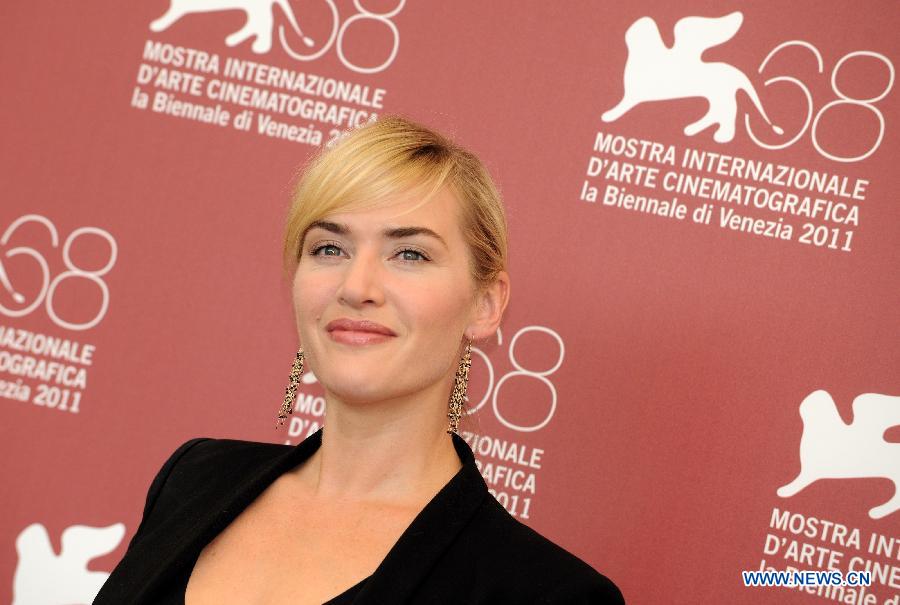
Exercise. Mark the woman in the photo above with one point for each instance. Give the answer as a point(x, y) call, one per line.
point(396, 243)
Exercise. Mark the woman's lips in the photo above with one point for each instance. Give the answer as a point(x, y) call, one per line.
point(351, 337)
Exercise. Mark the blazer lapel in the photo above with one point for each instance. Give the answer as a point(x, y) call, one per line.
point(180, 542)
point(176, 543)
point(429, 535)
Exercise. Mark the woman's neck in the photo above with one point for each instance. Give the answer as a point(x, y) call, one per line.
point(394, 452)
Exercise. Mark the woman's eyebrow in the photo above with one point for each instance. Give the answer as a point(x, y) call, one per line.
point(392, 233)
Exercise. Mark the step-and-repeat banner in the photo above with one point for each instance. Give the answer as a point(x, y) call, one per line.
point(699, 370)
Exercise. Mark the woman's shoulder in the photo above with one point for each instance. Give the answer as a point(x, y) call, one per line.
point(206, 466)
point(201, 450)
point(212, 460)
point(541, 569)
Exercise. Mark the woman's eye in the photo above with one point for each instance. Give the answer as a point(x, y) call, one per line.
point(315, 251)
point(411, 251)
point(421, 257)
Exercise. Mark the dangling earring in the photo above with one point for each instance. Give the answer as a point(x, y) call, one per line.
point(287, 407)
point(460, 384)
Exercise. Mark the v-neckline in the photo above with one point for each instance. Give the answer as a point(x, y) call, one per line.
point(411, 556)
point(341, 598)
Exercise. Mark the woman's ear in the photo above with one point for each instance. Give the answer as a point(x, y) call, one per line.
point(490, 304)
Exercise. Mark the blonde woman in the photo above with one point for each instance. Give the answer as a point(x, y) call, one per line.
point(396, 247)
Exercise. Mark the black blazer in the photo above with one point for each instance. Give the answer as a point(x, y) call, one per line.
point(462, 548)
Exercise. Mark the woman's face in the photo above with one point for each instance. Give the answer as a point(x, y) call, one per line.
point(416, 284)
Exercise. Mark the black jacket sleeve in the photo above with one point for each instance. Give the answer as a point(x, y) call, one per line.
point(157, 484)
point(598, 589)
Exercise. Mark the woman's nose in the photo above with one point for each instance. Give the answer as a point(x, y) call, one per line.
point(362, 279)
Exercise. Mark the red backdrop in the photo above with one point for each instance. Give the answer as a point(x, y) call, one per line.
point(642, 404)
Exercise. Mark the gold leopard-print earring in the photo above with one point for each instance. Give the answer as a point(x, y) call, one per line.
point(287, 406)
point(460, 385)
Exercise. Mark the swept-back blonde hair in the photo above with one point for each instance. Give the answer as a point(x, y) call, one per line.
point(392, 157)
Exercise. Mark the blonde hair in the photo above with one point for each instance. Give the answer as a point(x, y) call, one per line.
point(393, 156)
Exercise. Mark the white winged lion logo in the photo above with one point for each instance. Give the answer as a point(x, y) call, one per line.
point(833, 449)
point(43, 577)
point(259, 25)
point(654, 72)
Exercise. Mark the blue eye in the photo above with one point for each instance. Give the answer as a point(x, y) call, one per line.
point(422, 258)
point(315, 251)
point(405, 250)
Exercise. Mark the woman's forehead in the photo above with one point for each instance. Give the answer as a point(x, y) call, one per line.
point(404, 217)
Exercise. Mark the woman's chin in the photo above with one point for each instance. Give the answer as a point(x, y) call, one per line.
point(357, 383)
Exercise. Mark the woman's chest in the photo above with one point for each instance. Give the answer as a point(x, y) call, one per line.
point(282, 549)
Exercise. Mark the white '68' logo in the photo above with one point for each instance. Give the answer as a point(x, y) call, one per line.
point(492, 391)
point(48, 285)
